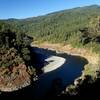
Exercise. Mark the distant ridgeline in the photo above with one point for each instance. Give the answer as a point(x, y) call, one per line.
point(64, 26)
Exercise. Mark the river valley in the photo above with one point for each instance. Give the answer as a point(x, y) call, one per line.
point(60, 70)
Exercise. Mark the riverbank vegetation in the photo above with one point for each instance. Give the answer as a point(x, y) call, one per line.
point(15, 60)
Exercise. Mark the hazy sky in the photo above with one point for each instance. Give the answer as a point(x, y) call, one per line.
point(30, 8)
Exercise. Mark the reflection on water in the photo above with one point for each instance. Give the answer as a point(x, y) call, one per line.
point(56, 80)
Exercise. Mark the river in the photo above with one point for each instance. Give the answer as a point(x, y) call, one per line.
point(70, 68)
point(56, 79)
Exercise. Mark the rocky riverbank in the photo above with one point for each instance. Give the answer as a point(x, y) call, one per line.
point(14, 79)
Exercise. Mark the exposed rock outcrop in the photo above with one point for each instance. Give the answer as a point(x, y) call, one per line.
point(15, 79)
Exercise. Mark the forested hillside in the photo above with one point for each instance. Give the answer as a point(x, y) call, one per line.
point(16, 67)
point(60, 26)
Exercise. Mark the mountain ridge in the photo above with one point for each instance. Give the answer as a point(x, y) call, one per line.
point(90, 6)
point(55, 26)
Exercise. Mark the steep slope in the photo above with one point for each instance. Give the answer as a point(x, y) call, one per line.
point(57, 26)
point(15, 61)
